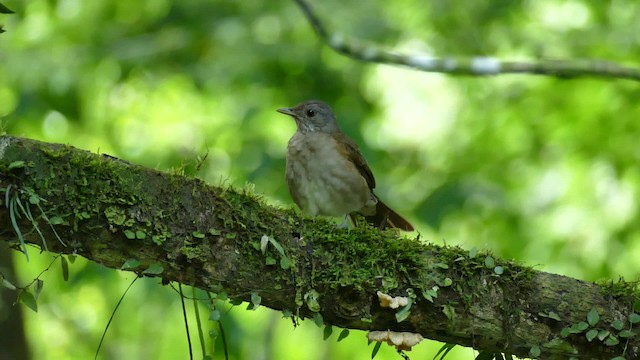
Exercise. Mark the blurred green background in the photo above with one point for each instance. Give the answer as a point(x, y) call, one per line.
point(537, 169)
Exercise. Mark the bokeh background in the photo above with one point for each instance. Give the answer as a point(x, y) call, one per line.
point(537, 169)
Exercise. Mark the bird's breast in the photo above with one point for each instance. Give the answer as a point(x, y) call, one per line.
point(322, 181)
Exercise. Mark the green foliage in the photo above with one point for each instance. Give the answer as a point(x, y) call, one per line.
point(535, 351)
point(593, 317)
point(444, 350)
point(343, 334)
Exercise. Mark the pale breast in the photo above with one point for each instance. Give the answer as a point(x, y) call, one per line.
point(321, 181)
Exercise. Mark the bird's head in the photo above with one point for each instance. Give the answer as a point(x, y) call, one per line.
point(313, 116)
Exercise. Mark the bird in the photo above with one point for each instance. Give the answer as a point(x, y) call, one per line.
point(326, 173)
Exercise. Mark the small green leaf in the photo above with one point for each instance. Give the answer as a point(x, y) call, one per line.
point(16, 165)
point(157, 239)
point(197, 235)
point(376, 347)
point(130, 264)
point(318, 320)
point(140, 235)
point(441, 265)
point(449, 312)
point(65, 268)
point(5, 10)
point(255, 300)
point(602, 334)
point(27, 298)
point(618, 325)
point(343, 334)
point(473, 252)
point(286, 313)
point(269, 261)
point(447, 282)
point(285, 263)
point(612, 341)
point(129, 234)
point(554, 316)
point(215, 315)
point(154, 269)
point(431, 294)
point(591, 334)
point(499, 270)
point(634, 318)
point(231, 236)
point(488, 355)
point(277, 246)
point(489, 262)
point(214, 232)
point(404, 312)
point(444, 350)
point(56, 220)
point(582, 326)
point(593, 317)
point(535, 351)
point(565, 332)
point(37, 289)
point(311, 299)
point(34, 200)
point(328, 330)
point(235, 302)
point(626, 334)
point(264, 241)
point(6, 283)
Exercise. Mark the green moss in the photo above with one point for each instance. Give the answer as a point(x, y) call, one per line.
point(627, 291)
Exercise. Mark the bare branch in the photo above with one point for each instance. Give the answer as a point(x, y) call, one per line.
point(476, 66)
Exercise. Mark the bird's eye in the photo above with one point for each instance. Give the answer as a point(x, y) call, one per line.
point(310, 113)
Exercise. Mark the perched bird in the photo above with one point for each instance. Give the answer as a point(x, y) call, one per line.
point(326, 173)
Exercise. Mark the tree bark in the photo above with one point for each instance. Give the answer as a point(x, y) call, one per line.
point(213, 237)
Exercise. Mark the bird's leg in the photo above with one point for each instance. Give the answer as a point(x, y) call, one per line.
point(385, 221)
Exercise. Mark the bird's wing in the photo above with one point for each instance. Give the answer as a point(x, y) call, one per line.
point(351, 151)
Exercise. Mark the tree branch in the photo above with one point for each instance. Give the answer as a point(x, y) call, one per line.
point(213, 237)
point(476, 66)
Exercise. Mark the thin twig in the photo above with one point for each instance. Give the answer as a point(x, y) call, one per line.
point(476, 66)
point(186, 322)
point(104, 333)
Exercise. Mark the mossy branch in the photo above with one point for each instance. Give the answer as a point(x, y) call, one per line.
point(222, 239)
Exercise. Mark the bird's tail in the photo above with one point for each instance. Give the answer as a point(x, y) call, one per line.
point(385, 218)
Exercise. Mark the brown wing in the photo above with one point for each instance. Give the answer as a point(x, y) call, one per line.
point(351, 151)
point(384, 216)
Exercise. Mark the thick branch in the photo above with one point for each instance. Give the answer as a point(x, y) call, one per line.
point(476, 66)
point(110, 211)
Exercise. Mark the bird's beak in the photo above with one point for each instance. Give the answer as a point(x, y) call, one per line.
point(286, 111)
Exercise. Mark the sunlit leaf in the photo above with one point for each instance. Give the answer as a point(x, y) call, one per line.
point(27, 298)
